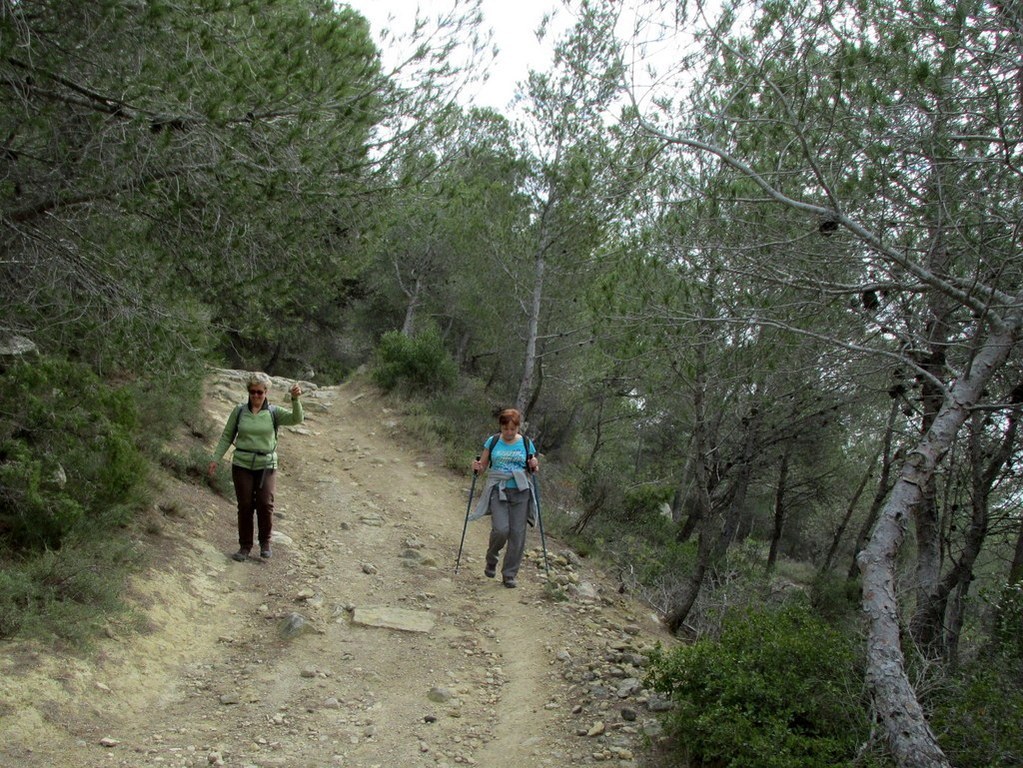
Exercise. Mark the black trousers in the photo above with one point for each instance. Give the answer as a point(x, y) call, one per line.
point(254, 489)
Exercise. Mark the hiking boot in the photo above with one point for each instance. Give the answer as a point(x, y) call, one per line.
point(265, 552)
point(241, 555)
point(490, 572)
point(511, 583)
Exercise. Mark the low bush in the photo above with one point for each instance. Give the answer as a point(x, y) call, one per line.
point(67, 454)
point(977, 713)
point(835, 597)
point(414, 363)
point(1008, 608)
point(778, 689)
point(644, 503)
point(451, 421)
point(65, 594)
point(601, 493)
point(74, 479)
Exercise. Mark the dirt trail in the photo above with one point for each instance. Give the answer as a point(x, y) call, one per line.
point(356, 645)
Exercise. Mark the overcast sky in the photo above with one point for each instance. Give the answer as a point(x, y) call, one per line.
point(514, 23)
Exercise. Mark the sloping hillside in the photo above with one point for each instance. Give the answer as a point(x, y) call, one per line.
point(356, 645)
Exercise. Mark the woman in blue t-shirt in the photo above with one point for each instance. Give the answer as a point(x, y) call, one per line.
point(507, 496)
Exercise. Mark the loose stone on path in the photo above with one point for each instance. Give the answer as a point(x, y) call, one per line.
point(401, 619)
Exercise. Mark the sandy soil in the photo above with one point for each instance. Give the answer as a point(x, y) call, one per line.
point(357, 644)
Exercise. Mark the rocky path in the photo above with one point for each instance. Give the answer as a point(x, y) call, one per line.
point(356, 645)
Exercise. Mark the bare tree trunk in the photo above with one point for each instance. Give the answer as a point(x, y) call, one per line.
point(779, 511)
point(676, 501)
point(414, 296)
point(598, 435)
point(956, 614)
point(925, 627)
point(463, 346)
point(1016, 567)
point(910, 737)
point(271, 364)
point(713, 545)
point(925, 623)
point(836, 540)
point(711, 550)
point(537, 386)
point(883, 486)
point(532, 331)
point(591, 511)
point(932, 613)
point(984, 471)
point(692, 523)
point(679, 611)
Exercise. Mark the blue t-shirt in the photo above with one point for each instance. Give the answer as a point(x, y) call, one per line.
point(508, 457)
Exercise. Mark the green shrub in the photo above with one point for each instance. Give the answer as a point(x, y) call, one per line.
point(779, 689)
point(1009, 620)
point(644, 502)
point(67, 594)
point(601, 490)
point(414, 363)
point(653, 565)
point(67, 454)
point(17, 599)
point(835, 597)
point(34, 513)
point(977, 715)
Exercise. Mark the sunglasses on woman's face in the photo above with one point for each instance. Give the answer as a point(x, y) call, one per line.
point(257, 391)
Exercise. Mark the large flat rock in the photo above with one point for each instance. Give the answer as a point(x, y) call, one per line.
point(393, 618)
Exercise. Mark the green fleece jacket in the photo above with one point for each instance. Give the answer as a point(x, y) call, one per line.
point(255, 446)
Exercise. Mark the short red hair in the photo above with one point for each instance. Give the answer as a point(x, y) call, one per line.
point(509, 416)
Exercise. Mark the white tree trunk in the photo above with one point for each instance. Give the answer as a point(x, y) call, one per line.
point(909, 736)
point(532, 330)
point(414, 297)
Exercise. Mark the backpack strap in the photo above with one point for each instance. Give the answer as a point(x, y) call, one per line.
point(238, 415)
point(492, 441)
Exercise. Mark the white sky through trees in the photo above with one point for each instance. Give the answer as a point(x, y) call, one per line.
point(513, 23)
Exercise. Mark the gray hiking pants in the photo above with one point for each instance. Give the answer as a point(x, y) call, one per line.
point(507, 526)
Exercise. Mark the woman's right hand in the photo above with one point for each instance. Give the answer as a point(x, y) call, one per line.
point(477, 465)
point(212, 468)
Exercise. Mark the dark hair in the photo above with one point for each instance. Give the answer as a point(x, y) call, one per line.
point(509, 416)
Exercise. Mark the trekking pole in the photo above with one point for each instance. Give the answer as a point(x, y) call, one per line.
point(468, 505)
point(539, 518)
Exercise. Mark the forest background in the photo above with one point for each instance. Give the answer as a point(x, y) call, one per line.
point(759, 299)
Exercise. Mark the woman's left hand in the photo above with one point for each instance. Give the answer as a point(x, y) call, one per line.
point(534, 465)
point(295, 391)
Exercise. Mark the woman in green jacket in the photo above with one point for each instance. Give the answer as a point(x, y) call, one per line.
point(252, 427)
